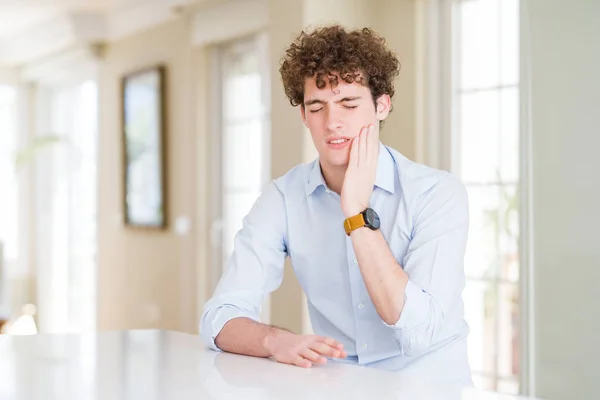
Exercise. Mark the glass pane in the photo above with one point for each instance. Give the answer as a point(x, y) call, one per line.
point(57, 240)
point(243, 155)
point(235, 207)
point(480, 300)
point(481, 258)
point(244, 131)
point(508, 386)
point(509, 135)
point(241, 57)
point(508, 330)
point(479, 136)
point(83, 217)
point(144, 200)
point(242, 98)
point(509, 42)
point(483, 382)
point(479, 43)
point(508, 224)
point(8, 179)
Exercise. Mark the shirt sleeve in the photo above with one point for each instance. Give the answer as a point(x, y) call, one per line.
point(434, 264)
point(255, 268)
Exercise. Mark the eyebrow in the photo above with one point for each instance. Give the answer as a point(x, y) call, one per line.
point(317, 101)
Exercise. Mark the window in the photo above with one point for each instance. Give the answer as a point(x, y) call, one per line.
point(242, 150)
point(66, 208)
point(485, 147)
point(9, 227)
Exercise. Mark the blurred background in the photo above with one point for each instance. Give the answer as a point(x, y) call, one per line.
point(136, 134)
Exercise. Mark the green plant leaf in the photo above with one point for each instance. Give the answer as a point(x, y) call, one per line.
point(26, 154)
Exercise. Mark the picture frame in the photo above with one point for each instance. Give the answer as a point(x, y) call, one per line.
point(144, 148)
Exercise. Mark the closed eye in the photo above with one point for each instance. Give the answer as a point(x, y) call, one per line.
point(345, 106)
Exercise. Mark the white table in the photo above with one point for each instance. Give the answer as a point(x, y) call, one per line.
point(157, 365)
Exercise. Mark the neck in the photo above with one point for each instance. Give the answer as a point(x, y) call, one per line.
point(334, 177)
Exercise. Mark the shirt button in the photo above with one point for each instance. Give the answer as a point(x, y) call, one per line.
point(327, 190)
point(355, 261)
point(361, 306)
point(364, 346)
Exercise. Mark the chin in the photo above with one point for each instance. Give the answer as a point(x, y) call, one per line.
point(338, 162)
point(335, 159)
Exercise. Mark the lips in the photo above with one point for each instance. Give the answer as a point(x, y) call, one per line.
point(338, 143)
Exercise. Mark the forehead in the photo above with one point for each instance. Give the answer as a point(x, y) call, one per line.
point(342, 89)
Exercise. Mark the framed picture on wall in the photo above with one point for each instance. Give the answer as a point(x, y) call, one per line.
point(143, 121)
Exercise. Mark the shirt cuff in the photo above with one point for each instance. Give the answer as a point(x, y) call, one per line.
point(416, 308)
point(223, 315)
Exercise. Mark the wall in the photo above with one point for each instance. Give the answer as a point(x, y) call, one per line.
point(396, 21)
point(160, 280)
point(565, 99)
point(146, 279)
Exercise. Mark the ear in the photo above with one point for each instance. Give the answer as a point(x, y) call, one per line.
point(303, 115)
point(383, 105)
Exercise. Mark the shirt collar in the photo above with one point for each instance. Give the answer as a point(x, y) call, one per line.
point(384, 177)
point(315, 178)
point(386, 170)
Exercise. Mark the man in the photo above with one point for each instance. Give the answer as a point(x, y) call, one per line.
point(377, 241)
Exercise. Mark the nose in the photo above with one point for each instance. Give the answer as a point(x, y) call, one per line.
point(334, 122)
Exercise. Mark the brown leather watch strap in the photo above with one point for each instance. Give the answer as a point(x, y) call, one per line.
point(353, 223)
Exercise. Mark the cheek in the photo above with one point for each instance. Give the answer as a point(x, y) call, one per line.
point(315, 123)
point(363, 117)
point(314, 127)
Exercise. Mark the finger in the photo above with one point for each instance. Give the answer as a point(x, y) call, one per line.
point(368, 143)
point(331, 342)
point(325, 349)
point(342, 352)
point(372, 138)
point(362, 148)
point(335, 344)
point(313, 356)
point(302, 362)
point(354, 151)
point(375, 134)
point(373, 146)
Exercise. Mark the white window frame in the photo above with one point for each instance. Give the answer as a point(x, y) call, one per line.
point(436, 147)
point(527, 271)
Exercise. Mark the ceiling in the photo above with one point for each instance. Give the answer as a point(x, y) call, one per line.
point(18, 16)
point(31, 29)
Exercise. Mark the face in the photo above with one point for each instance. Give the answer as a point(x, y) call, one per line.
point(335, 116)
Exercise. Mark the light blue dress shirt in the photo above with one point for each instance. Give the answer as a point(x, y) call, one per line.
point(424, 218)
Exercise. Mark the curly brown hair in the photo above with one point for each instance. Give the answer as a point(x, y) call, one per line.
point(355, 55)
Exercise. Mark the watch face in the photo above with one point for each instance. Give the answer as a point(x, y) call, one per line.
point(372, 219)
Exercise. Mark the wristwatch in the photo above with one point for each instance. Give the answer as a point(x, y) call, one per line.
point(368, 218)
